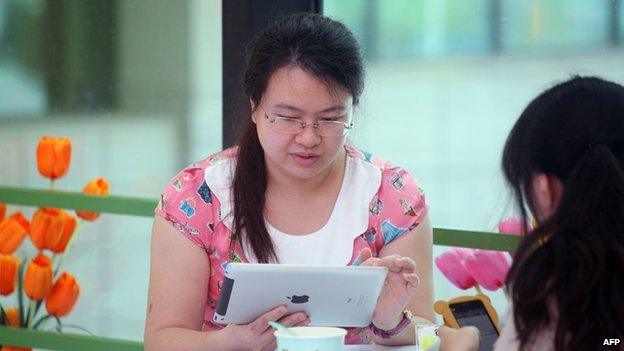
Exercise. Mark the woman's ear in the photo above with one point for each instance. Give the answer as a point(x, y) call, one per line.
point(547, 191)
point(253, 110)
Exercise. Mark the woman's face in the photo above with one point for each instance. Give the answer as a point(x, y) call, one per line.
point(293, 93)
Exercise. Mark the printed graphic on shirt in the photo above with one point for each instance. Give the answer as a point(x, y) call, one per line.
point(357, 261)
point(190, 174)
point(368, 157)
point(162, 203)
point(397, 181)
point(190, 229)
point(205, 193)
point(234, 257)
point(177, 185)
point(375, 206)
point(414, 225)
point(187, 206)
point(213, 254)
point(408, 209)
point(390, 231)
point(369, 236)
point(177, 225)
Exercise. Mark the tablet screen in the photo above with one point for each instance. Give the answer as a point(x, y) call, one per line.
point(473, 313)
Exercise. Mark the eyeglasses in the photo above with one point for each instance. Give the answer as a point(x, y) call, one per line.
point(292, 125)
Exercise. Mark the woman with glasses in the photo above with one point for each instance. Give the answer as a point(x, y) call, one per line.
point(292, 191)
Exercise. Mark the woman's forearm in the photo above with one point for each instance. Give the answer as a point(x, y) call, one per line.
point(406, 337)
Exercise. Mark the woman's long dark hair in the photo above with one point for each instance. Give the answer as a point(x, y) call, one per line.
point(316, 44)
point(569, 271)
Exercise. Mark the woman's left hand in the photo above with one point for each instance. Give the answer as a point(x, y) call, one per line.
point(399, 287)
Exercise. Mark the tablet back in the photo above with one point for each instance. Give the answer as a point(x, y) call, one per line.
point(340, 296)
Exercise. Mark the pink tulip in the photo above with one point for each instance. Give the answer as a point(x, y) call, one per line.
point(512, 225)
point(488, 268)
point(450, 264)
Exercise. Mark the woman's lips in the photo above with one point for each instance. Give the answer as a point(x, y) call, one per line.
point(305, 160)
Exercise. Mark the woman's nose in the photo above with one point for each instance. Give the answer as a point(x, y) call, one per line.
point(308, 136)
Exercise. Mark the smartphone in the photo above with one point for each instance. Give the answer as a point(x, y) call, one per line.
point(473, 313)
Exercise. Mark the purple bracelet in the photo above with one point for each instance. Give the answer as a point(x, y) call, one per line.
point(386, 334)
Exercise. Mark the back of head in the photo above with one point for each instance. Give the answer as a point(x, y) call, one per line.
point(316, 44)
point(570, 270)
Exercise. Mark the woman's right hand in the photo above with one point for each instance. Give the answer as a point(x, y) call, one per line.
point(462, 339)
point(258, 335)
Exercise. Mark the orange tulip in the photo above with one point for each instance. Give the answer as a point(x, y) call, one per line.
point(9, 265)
point(63, 296)
point(2, 211)
point(53, 156)
point(98, 186)
point(13, 230)
point(38, 278)
point(47, 227)
point(12, 314)
point(69, 226)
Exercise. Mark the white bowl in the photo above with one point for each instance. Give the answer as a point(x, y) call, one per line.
point(311, 339)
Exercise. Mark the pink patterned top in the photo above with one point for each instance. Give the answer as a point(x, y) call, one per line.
point(191, 203)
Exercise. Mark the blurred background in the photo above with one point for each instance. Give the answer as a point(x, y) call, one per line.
point(137, 86)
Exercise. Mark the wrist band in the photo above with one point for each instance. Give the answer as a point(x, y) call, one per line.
point(386, 334)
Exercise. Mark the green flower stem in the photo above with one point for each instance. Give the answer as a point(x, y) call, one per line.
point(37, 307)
point(20, 292)
point(3, 316)
point(41, 320)
point(31, 313)
point(478, 288)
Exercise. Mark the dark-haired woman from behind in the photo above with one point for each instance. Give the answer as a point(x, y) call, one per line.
point(564, 160)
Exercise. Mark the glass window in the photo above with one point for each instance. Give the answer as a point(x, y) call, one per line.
point(22, 87)
point(440, 98)
point(136, 85)
point(394, 30)
point(620, 24)
point(554, 25)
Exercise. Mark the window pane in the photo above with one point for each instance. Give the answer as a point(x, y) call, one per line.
point(60, 64)
point(441, 111)
point(621, 22)
point(548, 25)
point(400, 29)
point(22, 88)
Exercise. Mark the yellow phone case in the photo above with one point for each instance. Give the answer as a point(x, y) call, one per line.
point(443, 308)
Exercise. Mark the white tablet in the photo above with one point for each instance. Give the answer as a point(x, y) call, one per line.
point(339, 296)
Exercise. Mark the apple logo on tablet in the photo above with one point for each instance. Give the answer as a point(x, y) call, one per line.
point(298, 299)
